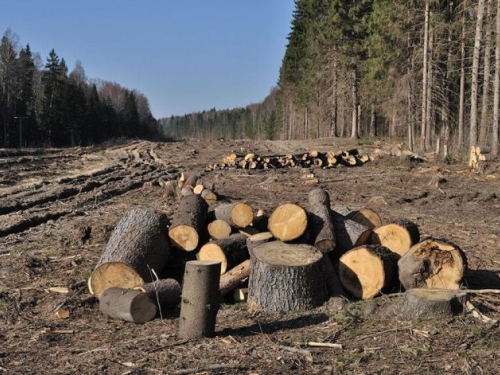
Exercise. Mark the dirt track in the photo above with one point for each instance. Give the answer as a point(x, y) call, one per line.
point(58, 208)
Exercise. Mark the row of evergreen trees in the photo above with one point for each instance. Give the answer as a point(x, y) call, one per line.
point(425, 70)
point(43, 105)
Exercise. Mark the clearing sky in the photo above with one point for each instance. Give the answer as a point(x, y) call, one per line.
point(184, 55)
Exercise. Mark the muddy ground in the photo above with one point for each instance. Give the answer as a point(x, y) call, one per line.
point(58, 207)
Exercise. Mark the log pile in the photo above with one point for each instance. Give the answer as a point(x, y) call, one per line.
point(295, 258)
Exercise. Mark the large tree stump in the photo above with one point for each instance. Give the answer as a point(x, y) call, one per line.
point(288, 222)
point(130, 305)
point(398, 236)
point(424, 304)
point(200, 299)
point(368, 270)
point(188, 223)
point(233, 278)
point(238, 215)
point(165, 292)
point(286, 277)
point(348, 234)
point(230, 251)
point(433, 263)
point(321, 222)
point(137, 245)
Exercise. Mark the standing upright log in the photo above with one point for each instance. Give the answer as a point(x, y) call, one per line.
point(137, 246)
point(200, 300)
point(238, 215)
point(130, 305)
point(165, 292)
point(230, 251)
point(348, 234)
point(368, 270)
point(398, 236)
point(433, 263)
point(288, 222)
point(188, 223)
point(286, 277)
point(321, 222)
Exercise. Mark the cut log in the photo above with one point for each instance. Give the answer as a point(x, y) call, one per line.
point(198, 189)
point(348, 234)
point(238, 215)
point(398, 236)
point(368, 270)
point(200, 300)
point(286, 277)
point(219, 229)
point(431, 304)
point(433, 263)
point(232, 279)
point(288, 222)
point(332, 278)
point(186, 191)
point(165, 293)
point(240, 294)
point(130, 305)
point(190, 180)
point(229, 251)
point(188, 223)
point(209, 195)
point(258, 239)
point(321, 222)
point(367, 217)
point(137, 245)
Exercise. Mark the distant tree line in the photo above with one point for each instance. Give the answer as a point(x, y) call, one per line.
point(426, 70)
point(57, 108)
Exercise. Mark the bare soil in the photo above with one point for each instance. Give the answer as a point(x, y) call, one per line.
point(58, 207)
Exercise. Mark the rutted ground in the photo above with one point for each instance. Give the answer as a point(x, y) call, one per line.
point(57, 209)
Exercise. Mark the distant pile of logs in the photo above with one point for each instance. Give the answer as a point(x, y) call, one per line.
point(479, 156)
point(293, 259)
point(350, 158)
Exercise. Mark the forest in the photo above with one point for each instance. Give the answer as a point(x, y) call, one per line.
point(43, 104)
point(426, 71)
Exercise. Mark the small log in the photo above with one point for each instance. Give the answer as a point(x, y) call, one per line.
point(433, 263)
point(137, 245)
point(130, 305)
point(398, 236)
point(429, 304)
point(258, 239)
point(229, 251)
point(286, 277)
point(233, 278)
point(190, 180)
point(240, 295)
point(238, 215)
point(219, 229)
point(166, 293)
point(209, 195)
point(321, 222)
point(200, 300)
point(186, 191)
point(368, 270)
point(248, 231)
point(348, 234)
point(367, 217)
point(198, 189)
point(288, 222)
point(188, 223)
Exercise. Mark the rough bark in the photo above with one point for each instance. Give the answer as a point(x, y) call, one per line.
point(238, 215)
point(130, 305)
point(321, 222)
point(166, 293)
point(286, 277)
point(368, 270)
point(233, 278)
point(348, 234)
point(188, 223)
point(200, 300)
point(137, 245)
point(229, 251)
point(432, 263)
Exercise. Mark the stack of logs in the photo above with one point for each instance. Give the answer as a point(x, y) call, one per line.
point(350, 158)
point(479, 156)
point(293, 259)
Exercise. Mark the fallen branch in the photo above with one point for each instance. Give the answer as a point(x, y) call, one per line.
point(324, 345)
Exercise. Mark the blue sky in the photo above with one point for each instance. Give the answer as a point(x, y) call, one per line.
point(184, 55)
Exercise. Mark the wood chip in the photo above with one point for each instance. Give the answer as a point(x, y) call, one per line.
point(57, 289)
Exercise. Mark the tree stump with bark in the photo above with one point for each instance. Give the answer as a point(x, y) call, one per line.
point(127, 304)
point(433, 263)
point(368, 270)
point(286, 277)
point(229, 251)
point(137, 246)
point(188, 223)
point(398, 236)
point(200, 300)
